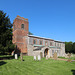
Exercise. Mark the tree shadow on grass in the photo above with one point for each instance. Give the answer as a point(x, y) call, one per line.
point(6, 57)
point(73, 72)
point(2, 63)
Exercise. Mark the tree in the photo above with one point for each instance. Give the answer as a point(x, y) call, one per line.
point(5, 34)
point(30, 33)
point(68, 47)
point(73, 50)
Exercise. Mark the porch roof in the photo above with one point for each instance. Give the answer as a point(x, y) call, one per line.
point(39, 47)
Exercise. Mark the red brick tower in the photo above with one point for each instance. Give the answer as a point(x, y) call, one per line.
point(20, 31)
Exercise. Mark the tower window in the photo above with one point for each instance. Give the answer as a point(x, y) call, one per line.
point(22, 26)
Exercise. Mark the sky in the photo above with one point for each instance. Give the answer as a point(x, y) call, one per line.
point(53, 19)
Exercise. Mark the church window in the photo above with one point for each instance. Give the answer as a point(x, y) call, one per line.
point(40, 42)
point(51, 44)
point(22, 26)
point(55, 43)
point(34, 41)
point(46, 43)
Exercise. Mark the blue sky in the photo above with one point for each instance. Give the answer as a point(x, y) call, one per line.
point(47, 18)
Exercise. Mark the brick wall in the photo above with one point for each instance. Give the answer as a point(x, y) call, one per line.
point(19, 33)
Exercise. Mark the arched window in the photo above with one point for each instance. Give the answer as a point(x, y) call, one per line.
point(22, 26)
point(55, 43)
point(51, 44)
point(40, 42)
point(46, 43)
point(34, 41)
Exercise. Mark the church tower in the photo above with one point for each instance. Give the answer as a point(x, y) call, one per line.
point(20, 31)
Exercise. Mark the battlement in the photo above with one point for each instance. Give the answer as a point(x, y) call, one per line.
point(22, 18)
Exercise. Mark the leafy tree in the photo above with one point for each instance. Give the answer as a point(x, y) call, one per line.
point(73, 50)
point(5, 34)
point(68, 47)
point(30, 33)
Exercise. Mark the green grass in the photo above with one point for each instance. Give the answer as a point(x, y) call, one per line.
point(31, 67)
point(72, 58)
point(62, 57)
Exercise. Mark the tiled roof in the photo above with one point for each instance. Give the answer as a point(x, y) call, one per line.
point(44, 38)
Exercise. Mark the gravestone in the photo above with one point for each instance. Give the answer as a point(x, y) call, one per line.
point(34, 57)
point(55, 55)
point(39, 57)
point(69, 57)
point(16, 57)
point(13, 52)
point(21, 56)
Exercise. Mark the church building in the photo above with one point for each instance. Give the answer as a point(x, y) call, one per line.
point(34, 45)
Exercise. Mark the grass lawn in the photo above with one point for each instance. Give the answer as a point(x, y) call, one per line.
point(62, 57)
point(31, 67)
point(72, 58)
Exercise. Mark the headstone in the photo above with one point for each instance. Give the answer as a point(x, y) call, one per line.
point(21, 55)
point(55, 55)
point(34, 57)
point(12, 53)
point(39, 57)
point(16, 57)
point(69, 57)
